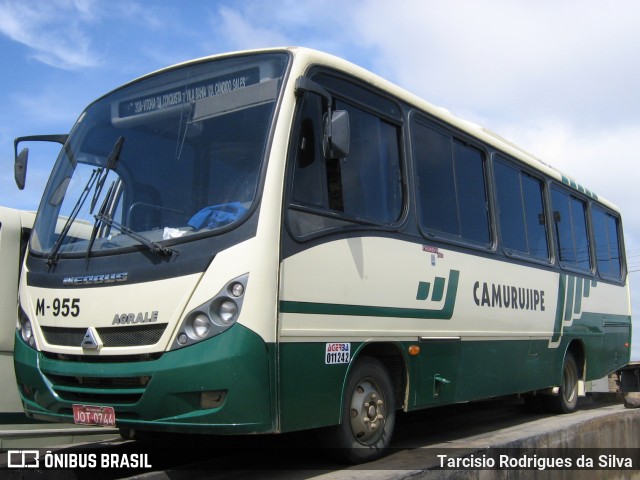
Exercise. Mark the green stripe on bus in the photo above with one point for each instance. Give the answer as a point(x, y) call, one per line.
point(577, 306)
point(438, 289)
point(557, 327)
point(423, 290)
point(568, 308)
point(317, 308)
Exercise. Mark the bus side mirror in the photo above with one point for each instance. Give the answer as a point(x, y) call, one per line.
point(20, 165)
point(337, 134)
point(20, 168)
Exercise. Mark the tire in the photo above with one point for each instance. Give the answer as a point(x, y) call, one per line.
point(567, 399)
point(368, 414)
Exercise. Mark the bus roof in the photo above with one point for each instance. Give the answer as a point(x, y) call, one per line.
point(306, 57)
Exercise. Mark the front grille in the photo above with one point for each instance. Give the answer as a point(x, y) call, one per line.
point(100, 398)
point(131, 336)
point(99, 382)
point(134, 336)
point(67, 337)
point(103, 390)
point(64, 357)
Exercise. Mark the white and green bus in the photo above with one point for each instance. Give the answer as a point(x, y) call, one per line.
point(278, 240)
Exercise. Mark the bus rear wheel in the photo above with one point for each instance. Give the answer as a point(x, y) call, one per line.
point(567, 399)
point(368, 414)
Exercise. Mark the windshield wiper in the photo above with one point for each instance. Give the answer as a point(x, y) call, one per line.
point(155, 247)
point(98, 177)
point(52, 259)
point(108, 200)
point(112, 161)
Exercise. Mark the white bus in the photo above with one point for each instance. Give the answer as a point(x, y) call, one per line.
point(15, 226)
point(278, 240)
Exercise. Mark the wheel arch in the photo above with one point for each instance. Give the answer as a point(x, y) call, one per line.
point(577, 348)
point(394, 358)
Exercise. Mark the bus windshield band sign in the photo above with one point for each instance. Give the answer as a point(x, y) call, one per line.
point(337, 353)
point(183, 95)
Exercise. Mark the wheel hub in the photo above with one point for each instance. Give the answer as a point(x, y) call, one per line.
point(367, 412)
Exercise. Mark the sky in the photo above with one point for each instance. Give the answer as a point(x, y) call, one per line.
point(560, 78)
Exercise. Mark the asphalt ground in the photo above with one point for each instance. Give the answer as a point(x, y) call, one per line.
point(426, 444)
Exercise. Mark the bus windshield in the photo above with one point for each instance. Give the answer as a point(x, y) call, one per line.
point(166, 159)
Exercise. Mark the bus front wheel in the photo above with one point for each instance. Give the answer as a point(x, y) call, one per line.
point(368, 413)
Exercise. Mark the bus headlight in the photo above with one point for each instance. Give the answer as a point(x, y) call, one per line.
point(25, 328)
point(228, 311)
point(236, 289)
point(27, 332)
point(200, 325)
point(213, 317)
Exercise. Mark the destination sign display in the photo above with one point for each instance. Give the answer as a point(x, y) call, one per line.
point(190, 92)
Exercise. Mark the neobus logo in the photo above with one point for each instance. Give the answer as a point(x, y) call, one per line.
point(95, 279)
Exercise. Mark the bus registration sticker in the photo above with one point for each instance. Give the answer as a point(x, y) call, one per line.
point(337, 353)
point(94, 415)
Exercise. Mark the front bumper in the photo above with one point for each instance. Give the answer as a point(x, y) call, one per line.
point(220, 386)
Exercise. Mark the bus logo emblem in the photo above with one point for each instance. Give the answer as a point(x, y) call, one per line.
point(90, 341)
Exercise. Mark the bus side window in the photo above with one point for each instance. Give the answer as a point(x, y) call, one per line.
point(605, 229)
point(365, 186)
point(308, 183)
point(571, 230)
point(370, 177)
point(452, 193)
point(521, 212)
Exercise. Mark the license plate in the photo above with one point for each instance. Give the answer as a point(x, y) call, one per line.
point(94, 415)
